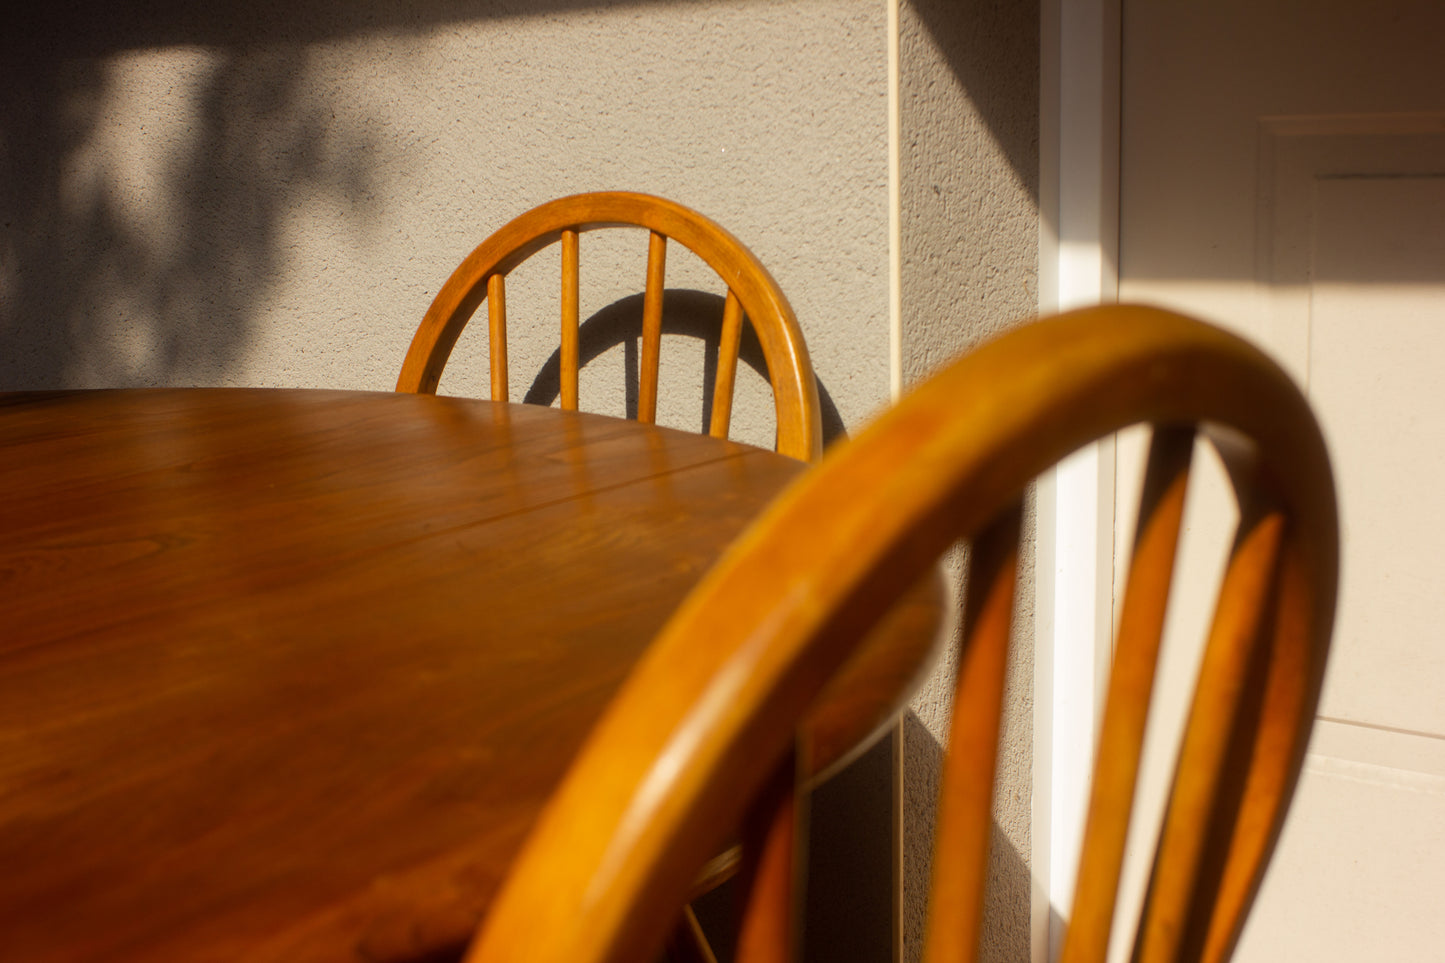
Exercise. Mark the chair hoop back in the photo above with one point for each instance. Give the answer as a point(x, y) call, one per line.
point(713, 707)
point(749, 284)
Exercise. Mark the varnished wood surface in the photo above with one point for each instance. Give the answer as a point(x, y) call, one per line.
point(287, 674)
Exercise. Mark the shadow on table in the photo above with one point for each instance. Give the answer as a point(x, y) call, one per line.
point(692, 314)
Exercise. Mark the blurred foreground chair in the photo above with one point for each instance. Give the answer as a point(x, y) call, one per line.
point(751, 293)
point(702, 737)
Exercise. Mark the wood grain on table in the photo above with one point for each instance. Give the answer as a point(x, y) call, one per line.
point(287, 674)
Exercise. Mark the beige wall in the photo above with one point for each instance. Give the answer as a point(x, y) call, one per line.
point(270, 194)
point(969, 94)
point(233, 208)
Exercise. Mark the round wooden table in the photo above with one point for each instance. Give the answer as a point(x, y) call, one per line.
point(287, 674)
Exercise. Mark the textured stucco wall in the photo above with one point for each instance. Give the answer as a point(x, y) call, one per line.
point(968, 89)
point(206, 199)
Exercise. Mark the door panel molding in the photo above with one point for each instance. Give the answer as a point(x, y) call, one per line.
point(1295, 153)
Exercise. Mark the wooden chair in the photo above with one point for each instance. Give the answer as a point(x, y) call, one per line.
point(752, 292)
point(703, 734)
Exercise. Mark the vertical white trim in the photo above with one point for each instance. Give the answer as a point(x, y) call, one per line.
point(1082, 613)
point(1078, 266)
point(1045, 500)
point(895, 215)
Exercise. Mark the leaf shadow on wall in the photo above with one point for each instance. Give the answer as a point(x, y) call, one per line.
point(156, 280)
point(133, 257)
point(990, 46)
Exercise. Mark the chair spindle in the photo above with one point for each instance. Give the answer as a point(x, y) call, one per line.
point(768, 877)
point(651, 328)
point(960, 860)
point(729, 342)
point(570, 319)
point(1131, 683)
point(688, 943)
point(1266, 764)
point(1201, 770)
point(497, 330)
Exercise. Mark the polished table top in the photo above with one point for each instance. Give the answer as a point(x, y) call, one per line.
point(287, 674)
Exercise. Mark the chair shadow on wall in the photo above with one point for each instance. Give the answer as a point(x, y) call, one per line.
point(685, 313)
point(1007, 913)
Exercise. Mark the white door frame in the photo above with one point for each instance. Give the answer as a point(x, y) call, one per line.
point(1078, 266)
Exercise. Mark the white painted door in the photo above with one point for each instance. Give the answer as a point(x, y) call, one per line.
point(1283, 174)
